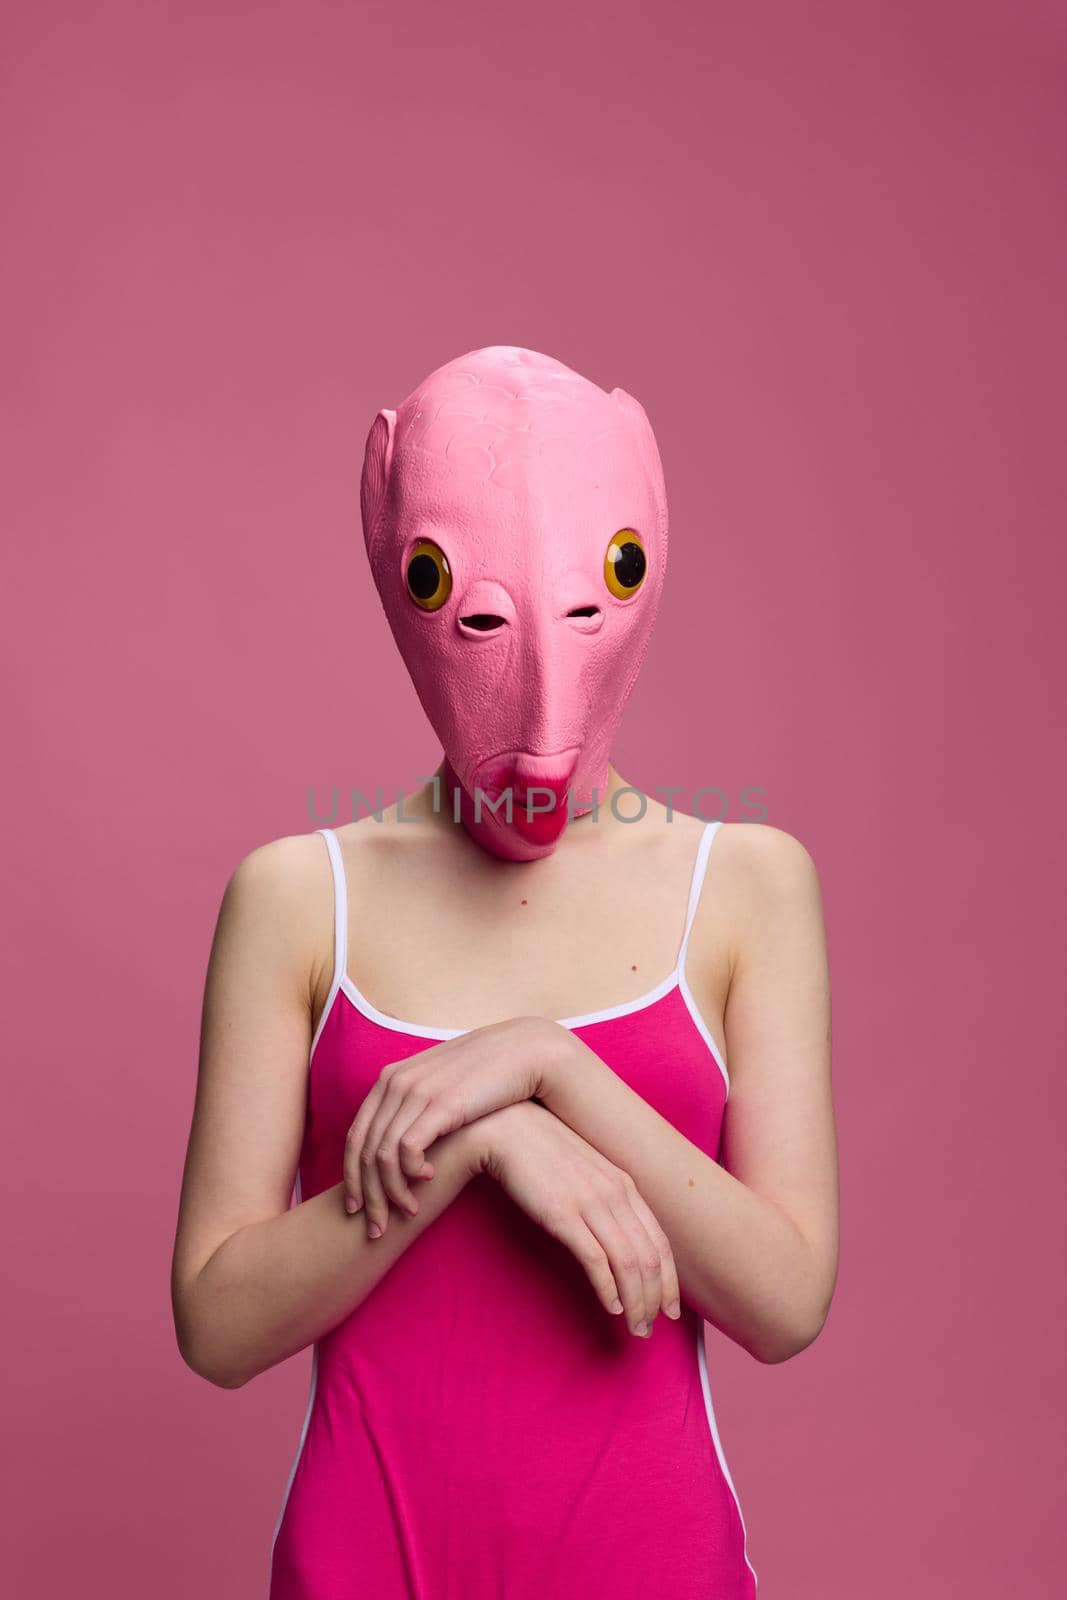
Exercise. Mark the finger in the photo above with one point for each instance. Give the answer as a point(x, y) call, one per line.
point(624, 1253)
point(401, 1157)
point(428, 1123)
point(377, 1163)
point(582, 1242)
point(390, 1171)
point(353, 1146)
point(645, 1249)
point(375, 1199)
point(414, 1142)
point(670, 1295)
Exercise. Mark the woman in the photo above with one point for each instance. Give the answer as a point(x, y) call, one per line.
point(524, 993)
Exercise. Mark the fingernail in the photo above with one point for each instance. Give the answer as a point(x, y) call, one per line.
point(375, 1230)
point(674, 1309)
point(350, 1204)
point(641, 1329)
point(616, 1306)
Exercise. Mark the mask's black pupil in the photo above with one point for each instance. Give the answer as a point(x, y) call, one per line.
point(630, 564)
point(423, 577)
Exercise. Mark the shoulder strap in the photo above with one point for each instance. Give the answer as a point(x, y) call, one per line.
point(340, 907)
point(700, 867)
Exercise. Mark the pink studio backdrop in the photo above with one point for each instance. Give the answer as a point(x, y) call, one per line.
point(825, 247)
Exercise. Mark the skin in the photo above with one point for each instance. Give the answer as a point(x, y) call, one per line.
point(751, 1244)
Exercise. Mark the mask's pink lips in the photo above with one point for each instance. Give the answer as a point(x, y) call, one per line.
point(539, 796)
point(530, 816)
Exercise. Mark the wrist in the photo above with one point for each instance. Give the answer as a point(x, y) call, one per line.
point(474, 1144)
point(551, 1049)
point(554, 1056)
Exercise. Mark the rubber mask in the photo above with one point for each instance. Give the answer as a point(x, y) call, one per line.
point(515, 519)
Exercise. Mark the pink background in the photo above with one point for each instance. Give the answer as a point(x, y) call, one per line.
point(824, 245)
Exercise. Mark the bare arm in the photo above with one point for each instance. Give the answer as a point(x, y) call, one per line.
point(755, 1240)
point(252, 1280)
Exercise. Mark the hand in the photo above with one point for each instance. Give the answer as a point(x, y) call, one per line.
point(589, 1204)
point(433, 1093)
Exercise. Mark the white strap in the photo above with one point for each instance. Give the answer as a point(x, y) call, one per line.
point(340, 907)
point(700, 866)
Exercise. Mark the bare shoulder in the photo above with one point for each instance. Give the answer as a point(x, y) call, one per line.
point(280, 859)
point(768, 884)
point(767, 860)
point(280, 895)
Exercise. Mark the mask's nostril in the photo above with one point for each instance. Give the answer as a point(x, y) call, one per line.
point(584, 611)
point(483, 621)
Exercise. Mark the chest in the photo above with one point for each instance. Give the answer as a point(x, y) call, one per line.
point(430, 944)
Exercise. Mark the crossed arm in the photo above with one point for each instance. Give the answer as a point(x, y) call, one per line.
point(755, 1240)
point(758, 1264)
point(253, 1281)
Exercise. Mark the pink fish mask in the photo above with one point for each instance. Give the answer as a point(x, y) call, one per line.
point(515, 518)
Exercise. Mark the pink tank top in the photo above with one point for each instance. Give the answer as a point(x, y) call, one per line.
point(480, 1428)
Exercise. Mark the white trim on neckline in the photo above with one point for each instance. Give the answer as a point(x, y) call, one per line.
point(342, 983)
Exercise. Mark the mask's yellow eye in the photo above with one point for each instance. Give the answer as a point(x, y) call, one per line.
point(625, 565)
point(429, 577)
